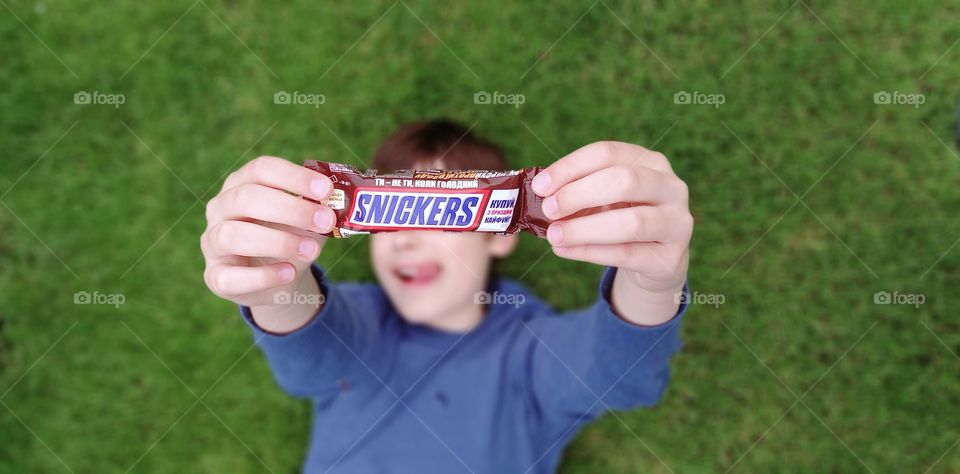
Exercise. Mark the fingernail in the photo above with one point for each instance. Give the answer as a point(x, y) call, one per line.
point(319, 187)
point(549, 206)
point(286, 273)
point(554, 234)
point(322, 220)
point(541, 182)
point(307, 248)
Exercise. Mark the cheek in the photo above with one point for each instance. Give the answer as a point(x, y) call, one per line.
point(379, 250)
point(466, 256)
point(465, 246)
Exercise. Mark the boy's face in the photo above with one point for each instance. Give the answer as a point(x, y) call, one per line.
point(432, 277)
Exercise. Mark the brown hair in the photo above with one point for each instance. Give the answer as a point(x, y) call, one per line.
point(437, 143)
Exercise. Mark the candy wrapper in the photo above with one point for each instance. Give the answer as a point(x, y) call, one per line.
point(365, 202)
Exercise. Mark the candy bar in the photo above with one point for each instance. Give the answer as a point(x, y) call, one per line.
point(365, 202)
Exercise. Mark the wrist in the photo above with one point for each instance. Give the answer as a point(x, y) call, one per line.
point(640, 304)
point(655, 292)
point(293, 306)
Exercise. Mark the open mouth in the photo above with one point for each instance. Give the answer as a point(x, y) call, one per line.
point(419, 274)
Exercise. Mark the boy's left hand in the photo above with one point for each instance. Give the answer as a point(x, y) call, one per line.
point(620, 205)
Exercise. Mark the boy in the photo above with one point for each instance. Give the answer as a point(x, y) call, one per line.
point(413, 374)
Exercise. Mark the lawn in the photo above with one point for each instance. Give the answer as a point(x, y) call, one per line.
point(810, 197)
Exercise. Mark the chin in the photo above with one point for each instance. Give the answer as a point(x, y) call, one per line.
point(417, 315)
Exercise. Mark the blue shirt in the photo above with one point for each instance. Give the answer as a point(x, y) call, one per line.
point(507, 396)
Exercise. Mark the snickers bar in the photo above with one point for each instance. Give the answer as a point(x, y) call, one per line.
point(366, 202)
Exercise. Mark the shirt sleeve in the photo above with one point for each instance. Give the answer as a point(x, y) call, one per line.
point(334, 346)
point(589, 361)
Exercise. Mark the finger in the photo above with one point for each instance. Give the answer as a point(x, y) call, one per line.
point(285, 228)
point(617, 184)
point(254, 201)
point(643, 257)
point(281, 174)
point(628, 224)
point(231, 280)
point(594, 157)
point(253, 240)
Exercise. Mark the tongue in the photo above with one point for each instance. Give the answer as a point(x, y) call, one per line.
point(424, 273)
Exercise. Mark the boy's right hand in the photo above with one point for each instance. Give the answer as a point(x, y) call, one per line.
point(260, 240)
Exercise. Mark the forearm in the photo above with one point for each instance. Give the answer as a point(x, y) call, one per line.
point(623, 354)
point(297, 306)
point(321, 340)
point(641, 306)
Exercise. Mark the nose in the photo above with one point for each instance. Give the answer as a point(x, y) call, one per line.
point(406, 240)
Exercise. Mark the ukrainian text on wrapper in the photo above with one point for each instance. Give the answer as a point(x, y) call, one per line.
point(500, 202)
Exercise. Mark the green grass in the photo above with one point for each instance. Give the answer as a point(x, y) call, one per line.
point(121, 222)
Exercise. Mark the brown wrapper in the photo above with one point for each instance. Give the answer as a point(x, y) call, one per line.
point(501, 202)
